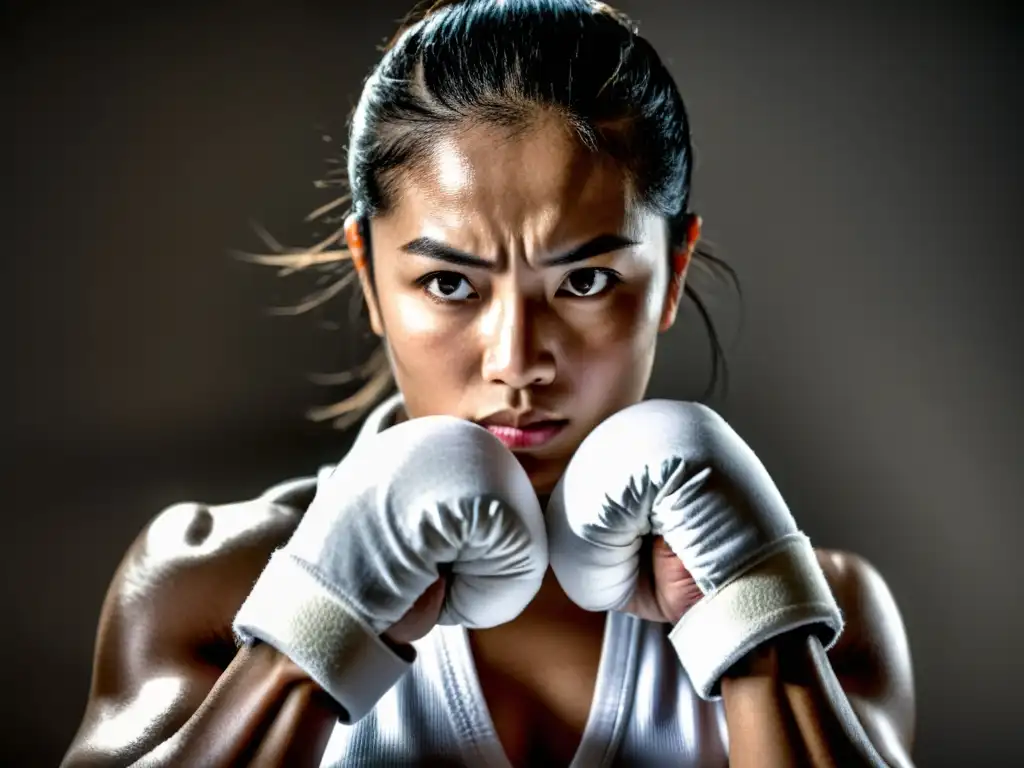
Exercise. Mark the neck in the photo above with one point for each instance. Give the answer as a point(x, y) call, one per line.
point(552, 605)
point(550, 618)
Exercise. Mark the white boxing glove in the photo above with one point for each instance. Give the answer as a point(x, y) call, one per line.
point(679, 471)
point(426, 492)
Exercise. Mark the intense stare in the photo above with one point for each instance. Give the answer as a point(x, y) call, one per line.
point(518, 272)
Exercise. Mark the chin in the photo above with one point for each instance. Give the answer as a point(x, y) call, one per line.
point(544, 474)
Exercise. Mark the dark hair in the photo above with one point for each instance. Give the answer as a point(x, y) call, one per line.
point(505, 64)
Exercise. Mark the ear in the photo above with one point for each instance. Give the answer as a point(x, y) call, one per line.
point(679, 265)
point(357, 249)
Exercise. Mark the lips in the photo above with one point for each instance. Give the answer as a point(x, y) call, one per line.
point(531, 435)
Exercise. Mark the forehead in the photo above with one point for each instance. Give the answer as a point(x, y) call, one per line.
point(539, 184)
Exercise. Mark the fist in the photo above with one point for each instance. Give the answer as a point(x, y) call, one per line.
point(666, 513)
point(665, 590)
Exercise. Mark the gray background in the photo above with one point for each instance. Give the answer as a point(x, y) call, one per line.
point(859, 165)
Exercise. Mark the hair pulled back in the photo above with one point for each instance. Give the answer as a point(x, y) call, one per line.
point(506, 63)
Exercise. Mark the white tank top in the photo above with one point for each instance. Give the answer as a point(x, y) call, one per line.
point(644, 711)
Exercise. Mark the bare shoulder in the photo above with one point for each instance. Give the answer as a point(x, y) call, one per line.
point(873, 620)
point(862, 593)
point(191, 536)
point(872, 657)
point(164, 634)
point(179, 585)
point(201, 559)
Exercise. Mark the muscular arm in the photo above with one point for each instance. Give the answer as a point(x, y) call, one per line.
point(167, 686)
point(790, 704)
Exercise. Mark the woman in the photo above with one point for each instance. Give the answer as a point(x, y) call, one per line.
point(520, 229)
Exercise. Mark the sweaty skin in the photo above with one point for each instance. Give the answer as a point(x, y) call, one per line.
point(479, 317)
point(165, 642)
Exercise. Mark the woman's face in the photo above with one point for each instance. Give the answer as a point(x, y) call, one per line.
point(519, 286)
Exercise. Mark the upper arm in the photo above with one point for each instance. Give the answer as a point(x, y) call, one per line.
point(164, 633)
point(872, 660)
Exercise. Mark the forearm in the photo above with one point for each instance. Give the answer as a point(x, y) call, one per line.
point(785, 708)
point(262, 712)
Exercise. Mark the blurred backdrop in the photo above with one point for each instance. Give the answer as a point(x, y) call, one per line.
point(858, 163)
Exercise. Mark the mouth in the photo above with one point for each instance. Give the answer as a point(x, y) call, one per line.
point(527, 436)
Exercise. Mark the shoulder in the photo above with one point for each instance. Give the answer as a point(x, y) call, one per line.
point(199, 560)
point(187, 535)
point(862, 593)
point(873, 619)
point(872, 657)
point(164, 635)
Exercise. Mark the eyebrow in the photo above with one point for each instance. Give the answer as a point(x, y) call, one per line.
point(597, 246)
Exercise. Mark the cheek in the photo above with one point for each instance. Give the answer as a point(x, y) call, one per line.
point(413, 317)
point(426, 340)
point(624, 326)
point(611, 351)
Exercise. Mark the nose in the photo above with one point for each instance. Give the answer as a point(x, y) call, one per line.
point(515, 350)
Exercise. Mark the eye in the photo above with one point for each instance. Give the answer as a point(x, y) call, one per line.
point(447, 286)
point(589, 282)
